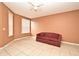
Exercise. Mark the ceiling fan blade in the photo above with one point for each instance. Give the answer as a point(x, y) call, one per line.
point(34, 9)
point(40, 5)
point(30, 3)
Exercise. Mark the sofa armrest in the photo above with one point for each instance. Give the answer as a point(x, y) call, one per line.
point(37, 34)
point(60, 37)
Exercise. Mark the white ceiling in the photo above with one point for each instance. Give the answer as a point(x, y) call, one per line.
point(48, 8)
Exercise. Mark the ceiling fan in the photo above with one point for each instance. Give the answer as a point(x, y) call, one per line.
point(35, 7)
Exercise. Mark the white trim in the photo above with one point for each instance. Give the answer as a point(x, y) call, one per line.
point(70, 43)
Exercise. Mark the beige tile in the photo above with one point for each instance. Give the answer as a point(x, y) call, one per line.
point(3, 53)
point(11, 50)
point(28, 46)
point(19, 54)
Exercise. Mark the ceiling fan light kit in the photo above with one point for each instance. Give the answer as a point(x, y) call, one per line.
point(35, 6)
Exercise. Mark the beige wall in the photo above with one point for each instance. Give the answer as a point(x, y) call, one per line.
point(4, 38)
point(66, 24)
point(17, 26)
point(0, 25)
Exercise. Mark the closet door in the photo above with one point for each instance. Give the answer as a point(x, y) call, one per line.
point(10, 23)
point(25, 25)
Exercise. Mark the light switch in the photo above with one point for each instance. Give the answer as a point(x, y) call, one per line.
point(3, 29)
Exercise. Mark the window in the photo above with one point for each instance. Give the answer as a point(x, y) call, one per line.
point(25, 25)
point(10, 23)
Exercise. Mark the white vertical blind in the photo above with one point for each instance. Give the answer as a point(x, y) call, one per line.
point(10, 23)
point(25, 25)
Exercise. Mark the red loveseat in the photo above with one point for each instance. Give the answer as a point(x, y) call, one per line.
point(49, 38)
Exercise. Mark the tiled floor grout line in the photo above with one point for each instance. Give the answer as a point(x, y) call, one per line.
point(29, 45)
point(7, 52)
point(19, 50)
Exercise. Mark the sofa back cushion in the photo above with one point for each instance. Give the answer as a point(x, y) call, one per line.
point(42, 34)
point(54, 35)
point(46, 34)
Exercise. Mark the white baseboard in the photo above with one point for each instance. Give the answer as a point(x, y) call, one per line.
point(70, 43)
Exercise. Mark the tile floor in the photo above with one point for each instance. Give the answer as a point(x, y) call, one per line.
point(28, 46)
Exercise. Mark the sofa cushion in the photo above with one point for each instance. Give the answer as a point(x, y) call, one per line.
point(53, 39)
point(42, 34)
point(48, 38)
point(48, 35)
point(55, 35)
